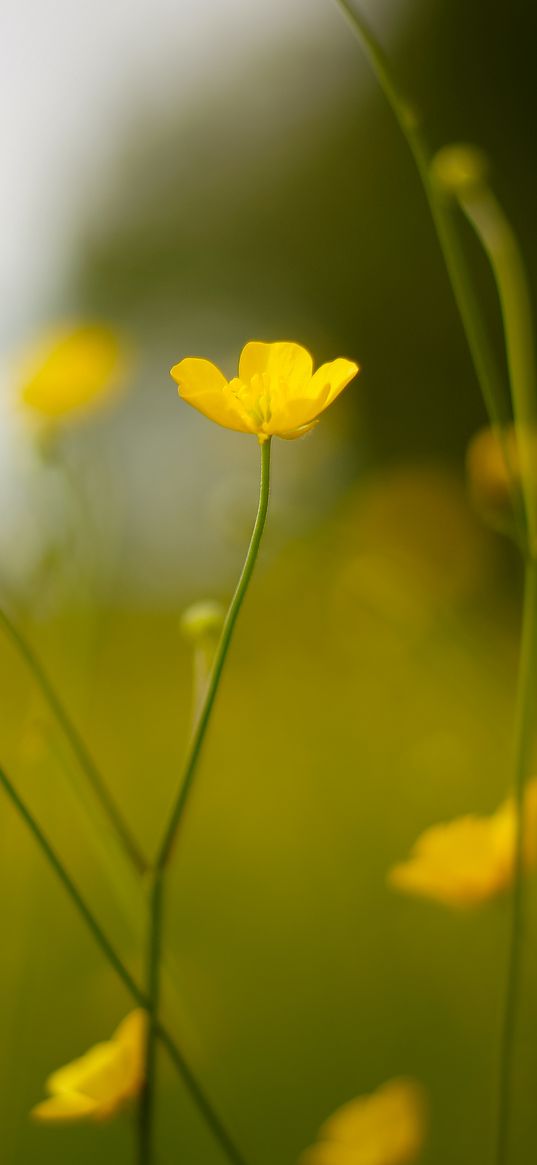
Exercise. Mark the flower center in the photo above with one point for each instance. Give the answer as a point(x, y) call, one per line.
point(256, 397)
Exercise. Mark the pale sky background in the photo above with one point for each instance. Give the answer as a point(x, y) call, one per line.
point(70, 76)
point(69, 72)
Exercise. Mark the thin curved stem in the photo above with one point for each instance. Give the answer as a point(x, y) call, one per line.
point(178, 809)
point(202, 723)
point(524, 744)
point(499, 242)
point(147, 1100)
point(71, 888)
point(481, 351)
point(79, 748)
point(212, 1119)
point(175, 1053)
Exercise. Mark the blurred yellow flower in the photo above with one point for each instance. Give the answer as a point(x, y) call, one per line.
point(275, 394)
point(71, 368)
point(469, 860)
point(488, 474)
point(495, 484)
point(385, 1128)
point(98, 1085)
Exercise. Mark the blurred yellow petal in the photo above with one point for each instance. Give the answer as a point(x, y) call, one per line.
point(99, 1083)
point(329, 1153)
point(72, 368)
point(98, 1074)
point(275, 393)
point(469, 860)
point(131, 1036)
point(70, 1106)
point(204, 387)
point(461, 864)
point(530, 814)
point(281, 361)
point(384, 1128)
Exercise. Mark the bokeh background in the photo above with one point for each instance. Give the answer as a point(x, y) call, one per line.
point(197, 175)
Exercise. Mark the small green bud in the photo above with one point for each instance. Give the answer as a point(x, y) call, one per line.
point(460, 169)
point(202, 619)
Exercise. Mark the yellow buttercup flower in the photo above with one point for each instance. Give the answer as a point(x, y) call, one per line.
point(384, 1128)
point(471, 859)
point(276, 392)
point(70, 369)
point(102, 1081)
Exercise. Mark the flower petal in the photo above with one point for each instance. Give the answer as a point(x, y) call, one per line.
point(131, 1032)
point(290, 416)
point(389, 1122)
point(205, 388)
point(328, 1153)
point(462, 862)
point(99, 1074)
point(67, 1106)
point(72, 368)
point(294, 434)
point(386, 1127)
point(283, 361)
point(330, 379)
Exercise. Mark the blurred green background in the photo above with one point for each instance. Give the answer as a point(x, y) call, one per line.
point(199, 177)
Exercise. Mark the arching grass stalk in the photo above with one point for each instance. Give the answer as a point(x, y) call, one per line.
point(524, 749)
point(178, 809)
point(482, 353)
point(108, 950)
point(497, 238)
point(487, 218)
point(69, 885)
point(72, 735)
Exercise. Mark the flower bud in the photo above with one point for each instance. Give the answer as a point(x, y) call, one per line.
point(494, 483)
point(460, 169)
point(202, 619)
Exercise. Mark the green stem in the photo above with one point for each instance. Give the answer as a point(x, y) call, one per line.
point(499, 242)
point(498, 239)
point(482, 353)
point(202, 723)
point(121, 970)
point(147, 1099)
point(80, 751)
point(71, 888)
point(524, 745)
point(178, 809)
point(213, 1122)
